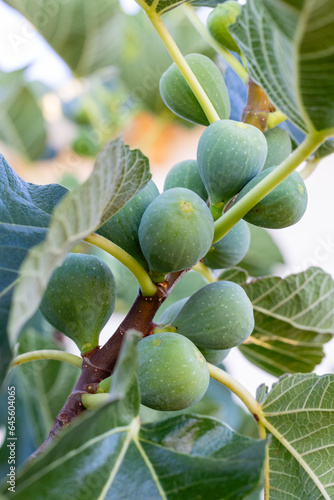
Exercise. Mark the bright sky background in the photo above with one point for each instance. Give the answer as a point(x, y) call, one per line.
point(310, 242)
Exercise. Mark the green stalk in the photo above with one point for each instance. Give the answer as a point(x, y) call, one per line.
point(225, 223)
point(51, 354)
point(238, 389)
point(183, 66)
point(205, 272)
point(146, 284)
point(275, 118)
point(229, 58)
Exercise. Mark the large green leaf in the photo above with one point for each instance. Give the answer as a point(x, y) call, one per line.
point(107, 454)
point(294, 318)
point(22, 125)
point(118, 175)
point(41, 389)
point(300, 413)
point(25, 213)
point(289, 46)
point(84, 33)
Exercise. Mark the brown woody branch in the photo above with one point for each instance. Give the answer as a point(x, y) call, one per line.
point(258, 107)
point(99, 363)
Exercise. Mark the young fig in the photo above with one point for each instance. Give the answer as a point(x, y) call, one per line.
point(172, 372)
point(279, 146)
point(219, 21)
point(218, 316)
point(229, 155)
point(80, 299)
point(178, 96)
point(185, 174)
point(122, 228)
point(176, 231)
point(282, 207)
point(231, 249)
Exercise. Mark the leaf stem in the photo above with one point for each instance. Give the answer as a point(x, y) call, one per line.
point(183, 66)
point(146, 284)
point(309, 168)
point(225, 223)
point(51, 354)
point(239, 390)
point(253, 406)
point(229, 58)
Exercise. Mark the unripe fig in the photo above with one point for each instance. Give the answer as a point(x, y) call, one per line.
point(218, 316)
point(122, 228)
point(220, 19)
point(214, 356)
point(176, 231)
point(231, 249)
point(229, 155)
point(172, 372)
point(171, 312)
point(185, 174)
point(279, 146)
point(282, 207)
point(80, 299)
point(178, 96)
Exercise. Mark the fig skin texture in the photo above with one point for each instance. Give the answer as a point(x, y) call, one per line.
point(176, 231)
point(231, 249)
point(172, 372)
point(218, 316)
point(178, 96)
point(279, 146)
point(122, 228)
point(80, 298)
point(282, 207)
point(185, 174)
point(229, 154)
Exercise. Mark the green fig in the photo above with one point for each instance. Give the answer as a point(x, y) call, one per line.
point(80, 299)
point(172, 372)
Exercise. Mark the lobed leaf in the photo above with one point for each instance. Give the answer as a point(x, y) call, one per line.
point(22, 124)
point(294, 318)
point(85, 34)
point(300, 413)
point(235, 274)
point(25, 213)
point(118, 175)
point(289, 49)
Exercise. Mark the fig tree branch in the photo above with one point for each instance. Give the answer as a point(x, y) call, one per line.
point(99, 363)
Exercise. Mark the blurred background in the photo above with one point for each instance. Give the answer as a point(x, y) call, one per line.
point(94, 74)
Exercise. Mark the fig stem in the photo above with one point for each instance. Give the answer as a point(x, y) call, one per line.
point(146, 284)
point(50, 354)
point(309, 168)
point(275, 118)
point(183, 66)
point(205, 271)
point(239, 390)
point(229, 58)
point(229, 219)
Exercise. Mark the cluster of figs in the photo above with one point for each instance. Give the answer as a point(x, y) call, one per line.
point(174, 230)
